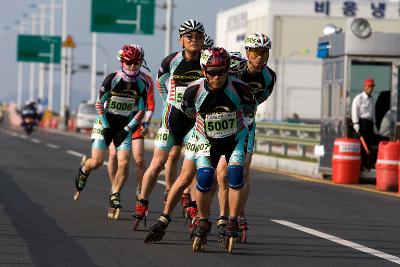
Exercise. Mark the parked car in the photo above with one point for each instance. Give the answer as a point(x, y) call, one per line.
point(85, 116)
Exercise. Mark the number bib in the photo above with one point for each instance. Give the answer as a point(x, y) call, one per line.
point(221, 125)
point(179, 91)
point(203, 149)
point(97, 132)
point(162, 137)
point(122, 105)
point(191, 148)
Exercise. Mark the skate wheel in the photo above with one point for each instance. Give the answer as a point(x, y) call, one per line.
point(160, 237)
point(149, 237)
point(135, 224)
point(243, 237)
point(230, 245)
point(76, 196)
point(116, 214)
point(196, 244)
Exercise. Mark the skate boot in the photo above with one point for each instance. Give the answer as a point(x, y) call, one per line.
point(115, 206)
point(157, 230)
point(242, 222)
point(141, 211)
point(222, 221)
point(185, 200)
point(193, 216)
point(80, 179)
point(191, 211)
point(200, 233)
point(232, 232)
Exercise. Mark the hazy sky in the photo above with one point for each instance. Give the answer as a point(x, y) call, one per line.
point(79, 27)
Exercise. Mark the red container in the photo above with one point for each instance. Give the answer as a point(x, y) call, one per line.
point(387, 165)
point(346, 161)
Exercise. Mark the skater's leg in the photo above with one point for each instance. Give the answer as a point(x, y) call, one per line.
point(171, 166)
point(183, 181)
point(112, 165)
point(138, 158)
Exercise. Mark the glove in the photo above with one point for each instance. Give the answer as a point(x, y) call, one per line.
point(121, 135)
point(108, 135)
point(144, 128)
point(356, 127)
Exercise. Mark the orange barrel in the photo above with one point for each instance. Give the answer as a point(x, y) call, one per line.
point(346, 161)
point(386, 166)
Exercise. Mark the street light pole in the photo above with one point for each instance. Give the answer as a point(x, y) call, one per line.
point(63, 64)
point(41, 65)
point(32, 65)
point(51, 64)
point(168, 27)
point(93, 69)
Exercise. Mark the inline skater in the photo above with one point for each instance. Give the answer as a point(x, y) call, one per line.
point(261, 79)
point(218, 103)
point(137, 142)
point(120, 108)
point(176, 72)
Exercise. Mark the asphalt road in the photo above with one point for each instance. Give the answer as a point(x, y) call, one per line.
point(292, 222)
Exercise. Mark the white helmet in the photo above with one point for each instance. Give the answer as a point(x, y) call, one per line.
point(208, 42)
point(257, 40)
point(191, 25)
point(238, 63)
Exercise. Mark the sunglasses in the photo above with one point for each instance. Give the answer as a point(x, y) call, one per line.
point(216, 72)
point(195, 36)
point(260, 52)
point(132, 62)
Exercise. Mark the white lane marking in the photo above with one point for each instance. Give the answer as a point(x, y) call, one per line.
point(23, 136)
point(74, 153)
point(14, 134)
point(161, 182)
point(338, 240)
point(37, 141)
point(52, 146)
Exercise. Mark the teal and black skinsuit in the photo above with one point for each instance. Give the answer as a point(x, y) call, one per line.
point(121, 102)
point(175, 74)
point(219, 127)
point(261, 84)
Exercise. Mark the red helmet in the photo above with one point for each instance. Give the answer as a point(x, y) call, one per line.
point(131, 52)
point(214, 57)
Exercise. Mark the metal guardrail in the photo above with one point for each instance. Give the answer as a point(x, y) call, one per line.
point(268, 135)
point(304, 136)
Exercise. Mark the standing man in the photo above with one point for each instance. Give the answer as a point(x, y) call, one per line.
point(176, 72)
point(363, 118)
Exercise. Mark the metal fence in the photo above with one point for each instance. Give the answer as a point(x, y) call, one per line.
point(282, 139)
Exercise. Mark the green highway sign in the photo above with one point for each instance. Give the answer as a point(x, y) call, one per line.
point(39, 48)
point(123, 16)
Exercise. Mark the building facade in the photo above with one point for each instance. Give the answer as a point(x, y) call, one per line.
point(294, 27)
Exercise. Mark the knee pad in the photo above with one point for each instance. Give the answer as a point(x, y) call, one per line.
point(205, 178)
point(235, 176)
